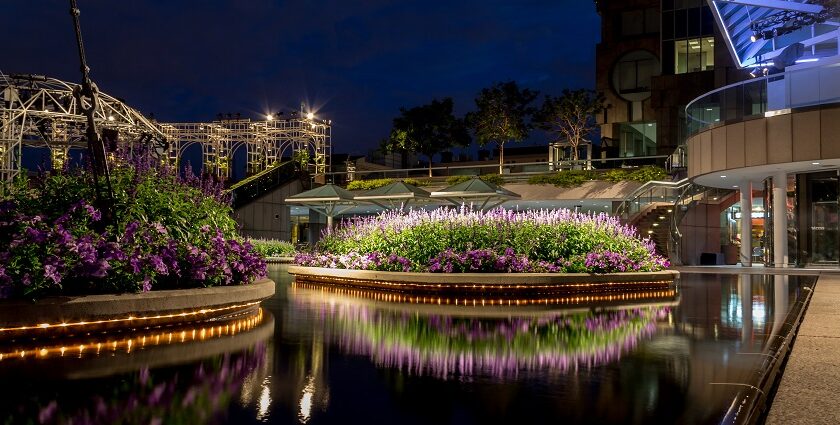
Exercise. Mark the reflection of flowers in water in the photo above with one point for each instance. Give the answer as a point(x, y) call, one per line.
point(164, 396)
point(443, 345)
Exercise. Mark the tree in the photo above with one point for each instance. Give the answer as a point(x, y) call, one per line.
point(427, 130)
point(503, 111)
point(570, 116)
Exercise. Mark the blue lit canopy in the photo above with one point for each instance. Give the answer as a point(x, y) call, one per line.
point(757, 31)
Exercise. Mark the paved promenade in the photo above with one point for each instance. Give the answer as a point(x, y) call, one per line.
point(810, 389)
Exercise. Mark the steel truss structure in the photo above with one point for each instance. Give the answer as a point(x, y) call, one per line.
point(42, 112)
point(39, 111)
point(265, 142)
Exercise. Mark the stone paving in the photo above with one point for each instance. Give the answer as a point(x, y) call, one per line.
point(809, 392)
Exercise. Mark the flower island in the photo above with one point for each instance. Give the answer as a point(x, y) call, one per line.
point(451, 250)
point(170, 253)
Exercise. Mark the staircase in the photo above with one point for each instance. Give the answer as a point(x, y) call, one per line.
point(655, 223)
point(251, 188)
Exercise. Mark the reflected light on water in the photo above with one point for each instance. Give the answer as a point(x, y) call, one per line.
point(265, 401)
point(306, 400)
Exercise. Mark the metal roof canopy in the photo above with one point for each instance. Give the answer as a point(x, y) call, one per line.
point(398, 191)
point(735, 19)
point(329, 200)
point(476, 189)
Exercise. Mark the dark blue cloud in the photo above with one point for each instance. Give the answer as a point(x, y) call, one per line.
point(358, 61)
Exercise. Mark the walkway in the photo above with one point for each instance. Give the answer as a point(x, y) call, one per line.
point(808, 393)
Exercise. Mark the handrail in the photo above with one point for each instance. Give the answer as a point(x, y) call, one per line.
point(496, 165)
point(259, 184)
point(653, 184)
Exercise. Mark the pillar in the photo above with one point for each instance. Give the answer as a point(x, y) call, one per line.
point(746, 224)
point(780, 237)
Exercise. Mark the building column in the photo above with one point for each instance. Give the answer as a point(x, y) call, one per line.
point(780, 224)
point(746, 224)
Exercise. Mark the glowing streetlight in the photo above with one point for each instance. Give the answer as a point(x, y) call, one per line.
point(310, 115)
point(269, 117)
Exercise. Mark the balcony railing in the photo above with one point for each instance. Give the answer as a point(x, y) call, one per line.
point(814, 85)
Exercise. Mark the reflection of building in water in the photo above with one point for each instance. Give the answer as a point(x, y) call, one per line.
point(710, 346)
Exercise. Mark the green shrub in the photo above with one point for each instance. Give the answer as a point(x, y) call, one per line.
point(417, 182)
point(572, 178)
point(569, 178)
point(273, 247)
point(647, 173)
point(496, 179)
point(368, 184)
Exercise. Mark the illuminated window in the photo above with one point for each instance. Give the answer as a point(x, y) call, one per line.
point(694, 54)
point(637, 139)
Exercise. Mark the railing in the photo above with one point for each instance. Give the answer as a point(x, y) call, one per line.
point(259, 184)
point(808, 86)
point(513, 169)
point(691, 195)
point(647, 194)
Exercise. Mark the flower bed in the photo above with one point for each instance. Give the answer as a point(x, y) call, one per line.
point(167, 233)
point(499, 241)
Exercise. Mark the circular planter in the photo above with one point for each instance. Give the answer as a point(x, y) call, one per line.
point(486, 283)
point(80, 314)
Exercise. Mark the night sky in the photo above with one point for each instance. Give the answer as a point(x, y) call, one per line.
point(356, 63)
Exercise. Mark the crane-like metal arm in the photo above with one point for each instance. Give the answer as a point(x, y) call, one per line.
point(86, 95)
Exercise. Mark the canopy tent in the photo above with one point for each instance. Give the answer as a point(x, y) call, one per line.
point(329, 200)
point(476, 190)
point(394, 195)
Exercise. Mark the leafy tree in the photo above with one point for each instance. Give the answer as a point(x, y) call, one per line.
point(503, 111)
point(571, 116)
point(427, 130)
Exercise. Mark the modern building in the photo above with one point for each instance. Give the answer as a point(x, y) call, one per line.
point(750, 89)
point(654, 57)
point(776, 136)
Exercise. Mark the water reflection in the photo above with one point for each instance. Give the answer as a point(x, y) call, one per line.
point(436, 342)
point(316, 356)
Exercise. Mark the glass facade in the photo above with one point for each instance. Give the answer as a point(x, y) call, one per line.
point(687, 37)
point(694, 54)
point(637, 139)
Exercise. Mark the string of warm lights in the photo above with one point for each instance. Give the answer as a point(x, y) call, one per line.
point(138, 319)
point(139, 341)
point(484, 287)
point(474, 302)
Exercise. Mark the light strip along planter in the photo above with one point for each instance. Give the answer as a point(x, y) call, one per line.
point(486, 283)
point(72, 315)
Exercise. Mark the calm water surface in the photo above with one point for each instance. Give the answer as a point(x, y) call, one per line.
point(317, 356)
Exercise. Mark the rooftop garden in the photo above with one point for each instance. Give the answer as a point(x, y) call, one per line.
point(448, 240)
point(167, 232)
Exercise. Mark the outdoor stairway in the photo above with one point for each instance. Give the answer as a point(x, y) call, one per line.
point(251, 188)
point(655, 223)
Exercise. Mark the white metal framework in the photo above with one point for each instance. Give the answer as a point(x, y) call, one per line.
point(758, 31)
point(42, 112)
point(265, 142)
